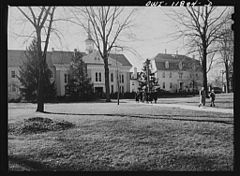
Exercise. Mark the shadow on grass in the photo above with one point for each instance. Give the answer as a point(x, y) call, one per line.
point(34, 165)
point(25, 162)
point(146, 116)
point(87, 101)
point(201, 163)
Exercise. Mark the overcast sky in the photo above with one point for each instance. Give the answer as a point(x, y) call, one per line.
point(152, 30)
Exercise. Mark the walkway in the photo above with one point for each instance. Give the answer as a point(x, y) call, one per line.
point(195, 108)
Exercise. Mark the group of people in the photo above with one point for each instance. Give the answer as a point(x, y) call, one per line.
point(203, 96)
point(146, 96)
point(142, 96)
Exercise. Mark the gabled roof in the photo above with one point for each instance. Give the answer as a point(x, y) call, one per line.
point(63, 57)
point(17, 57)
point(121, 58)
point(174, 61)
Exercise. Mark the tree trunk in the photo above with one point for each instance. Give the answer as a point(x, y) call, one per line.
point(106, 78)
point(40, 101)
point(232, 81)
point(204, 69)
point(227, 76)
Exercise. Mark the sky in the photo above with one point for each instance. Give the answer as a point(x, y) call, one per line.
point(152, 29)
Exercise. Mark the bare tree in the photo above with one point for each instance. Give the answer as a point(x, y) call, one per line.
point(199, 26)
point(41, 18)
point(226, 40)
point(107, 24)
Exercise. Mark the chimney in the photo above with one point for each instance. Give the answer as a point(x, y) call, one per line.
point(165, 51)
point(135, 73)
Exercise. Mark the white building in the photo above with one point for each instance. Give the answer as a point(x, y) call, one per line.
point(177, 72)
point(134, 83)
point(59, 63)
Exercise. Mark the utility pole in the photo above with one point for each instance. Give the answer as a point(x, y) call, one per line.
point(117, 80)
point(223, 87)
point(117, 85)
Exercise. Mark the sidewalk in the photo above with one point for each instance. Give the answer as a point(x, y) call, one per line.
point(195, 108)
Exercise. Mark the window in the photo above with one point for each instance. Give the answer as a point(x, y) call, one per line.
point(13, 74)
point(170, 85)
point(163, 75)
point(166, 64)
point(122, 89)
point(119, 77)
point(100, 77)
point(196, 75)
point(111, 77)
point(112, 88)
point(163, 85)
point(65, 78)
point(96, 77)
point(14, 88)
point(180, 75)
point(170, 75)
point(194, 67)
point(122, 78)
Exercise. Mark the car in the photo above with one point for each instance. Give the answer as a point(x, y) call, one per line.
point(217, 90)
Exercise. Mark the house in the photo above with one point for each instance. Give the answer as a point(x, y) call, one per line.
point(59, 63)
point(176, 73)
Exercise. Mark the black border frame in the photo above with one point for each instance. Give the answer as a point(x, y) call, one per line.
point(3, 83)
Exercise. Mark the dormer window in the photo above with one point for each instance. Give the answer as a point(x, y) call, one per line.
point(166, 64)
point(194, 66)
point(180, 65)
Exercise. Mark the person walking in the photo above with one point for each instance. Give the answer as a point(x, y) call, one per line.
point(202, 94)
point(155, 96)
point(137, 96)
point(212, 98)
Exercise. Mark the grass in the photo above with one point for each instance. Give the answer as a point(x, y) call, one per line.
point(126, 137)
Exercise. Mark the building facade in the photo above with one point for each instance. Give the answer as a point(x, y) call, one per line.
point(134, 82)
point(176, 73)
point(59, 63)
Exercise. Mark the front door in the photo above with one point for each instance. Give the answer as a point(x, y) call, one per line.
point(99, 91)
point(181, 86)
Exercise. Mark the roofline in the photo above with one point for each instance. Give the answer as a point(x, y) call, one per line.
point(154, 58)
point(50, 51)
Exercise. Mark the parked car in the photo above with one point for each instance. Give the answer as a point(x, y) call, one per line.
point(217, 90)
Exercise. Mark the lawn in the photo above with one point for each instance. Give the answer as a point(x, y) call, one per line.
point(126, 137)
